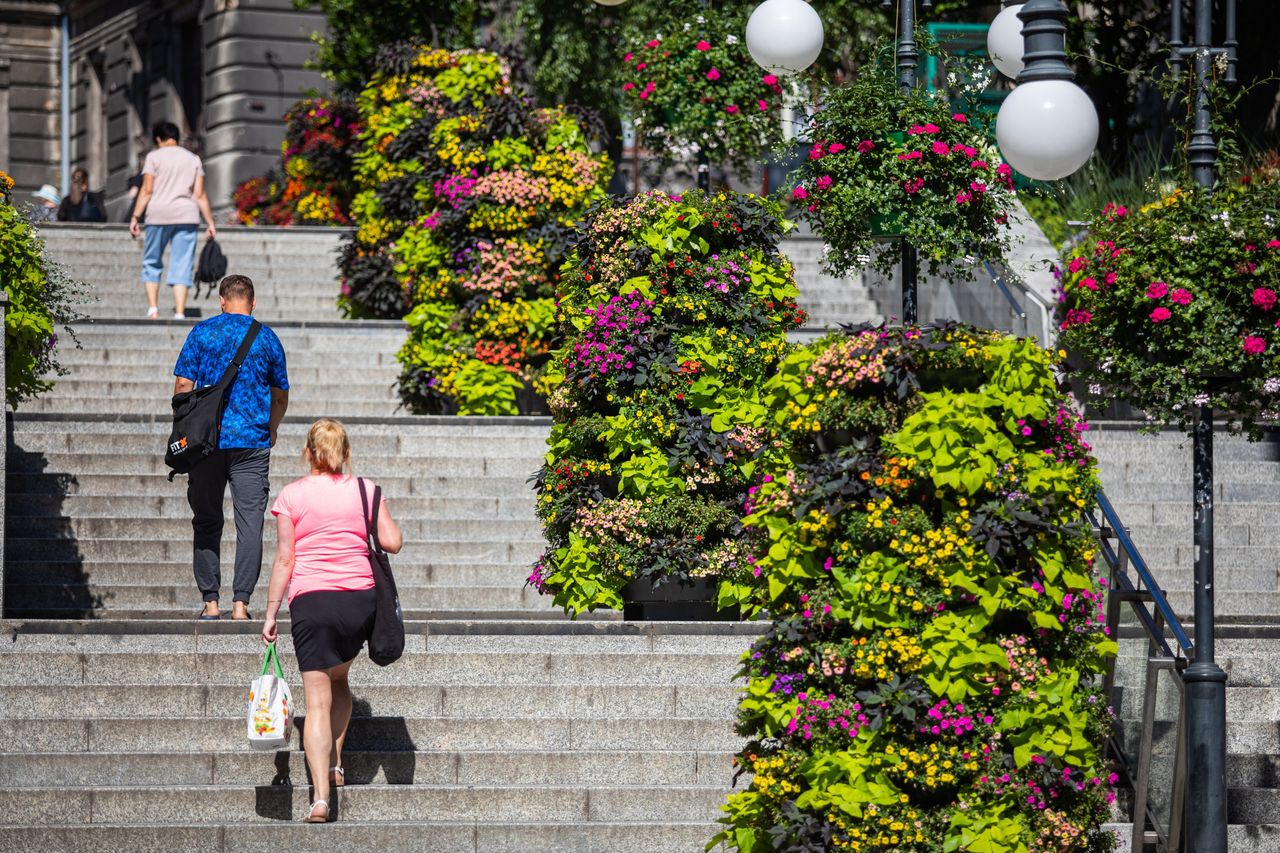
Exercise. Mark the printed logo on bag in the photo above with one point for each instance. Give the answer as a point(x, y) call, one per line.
point(179, 445)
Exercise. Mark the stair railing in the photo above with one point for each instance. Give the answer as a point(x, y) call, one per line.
point(1169, 650)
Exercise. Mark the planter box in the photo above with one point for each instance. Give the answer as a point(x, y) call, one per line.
point(675, 602)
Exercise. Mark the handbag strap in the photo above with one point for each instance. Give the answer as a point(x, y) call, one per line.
point(371, 518)
point(229, 375)
point(270, 659)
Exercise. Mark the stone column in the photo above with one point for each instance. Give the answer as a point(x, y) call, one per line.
point(4, 111)
point(4, 305)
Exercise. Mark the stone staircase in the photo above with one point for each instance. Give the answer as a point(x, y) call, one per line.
point(505, 727)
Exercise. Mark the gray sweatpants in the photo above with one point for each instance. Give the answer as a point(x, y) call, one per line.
point(248, 473)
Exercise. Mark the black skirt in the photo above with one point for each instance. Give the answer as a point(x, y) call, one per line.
point(330, 627)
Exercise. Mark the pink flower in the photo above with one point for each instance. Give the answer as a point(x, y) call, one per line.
point(964, 198)
point(763, 105)
point(816, 152)
point(1157, 289)
point(1076, 317)
point(703, 46)
point(1160, 315)
point(640, 66)
point(653, 43)
point(915, 130)
point(823, 183)
point(769, 80)
point(932, 128)
point(970, 152)
point(799, 193)
point(960, 117)
point(1273, 244)
point(978, 187)
point(1077, 264)
point(1004, 170)
point(866, 145)
point(910, 155)
point(1254, 345)
point(835, 148)
point(1181, 297)
point(731, 109)
point(627, 87)
point(1264, 298)
point(713, 74)
point(644, 96)
point(941, 148)
point(627, 58)
point(1110, 278)
point(1089, 283)
point(978, 164)
point(913, 187)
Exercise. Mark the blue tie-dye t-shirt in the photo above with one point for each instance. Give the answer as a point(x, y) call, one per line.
point(206, 355)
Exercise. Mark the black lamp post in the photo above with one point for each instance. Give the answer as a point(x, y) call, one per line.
point(1206, 682)
point(908, 58)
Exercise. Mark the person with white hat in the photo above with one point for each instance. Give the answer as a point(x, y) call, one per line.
point(45, 208)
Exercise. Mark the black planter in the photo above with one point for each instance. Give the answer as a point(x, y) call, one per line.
point(530, 402)
point(951, 379)
point(675, 602)
point(831, 440)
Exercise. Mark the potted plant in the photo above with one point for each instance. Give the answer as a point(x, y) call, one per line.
point(695, 87)
point(903, 165)
point(468, 197)
point(674, 309)
point(929, 681)
point(1174, 305)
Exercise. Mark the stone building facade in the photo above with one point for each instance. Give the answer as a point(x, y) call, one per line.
point(224, 71)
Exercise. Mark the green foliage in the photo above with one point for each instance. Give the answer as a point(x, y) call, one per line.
point(42, 299)
point(467, 203)
point(675, 310)
point(1175, 304)
point(929, 682)
point(885, 162)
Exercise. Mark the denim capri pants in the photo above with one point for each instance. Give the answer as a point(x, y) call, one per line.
point(182, 257)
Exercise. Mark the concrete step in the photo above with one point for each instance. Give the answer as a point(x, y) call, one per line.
point(516, 507)
point(342, 837)
point(479, 702)
point(364, 767)
point(178, 574)
point(55, 482)
point(182, 736)
point(505, 803)
point(442, 466)
point(315, 407)
point(133, 550)
point(416, 530)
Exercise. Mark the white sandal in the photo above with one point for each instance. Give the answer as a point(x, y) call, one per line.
point(153, 313)
point(341, 780)
point(312, 817)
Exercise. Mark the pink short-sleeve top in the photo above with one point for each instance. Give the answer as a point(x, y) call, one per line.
point(330, 550)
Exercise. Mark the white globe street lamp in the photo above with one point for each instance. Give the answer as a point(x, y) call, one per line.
point(1047, 128)
point(1004, 41)
point(611, 2)
point(784, 36)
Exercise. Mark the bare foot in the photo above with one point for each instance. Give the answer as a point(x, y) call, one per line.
point(240, 612)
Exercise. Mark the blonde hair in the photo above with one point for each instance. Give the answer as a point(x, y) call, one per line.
point(328, 448)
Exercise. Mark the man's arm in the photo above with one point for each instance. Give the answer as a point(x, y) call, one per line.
point(182, 385)
point(279, 405)
point(202, 202)
point(140, 203)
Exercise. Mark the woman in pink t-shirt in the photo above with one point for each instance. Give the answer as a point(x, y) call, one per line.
point(322, 557)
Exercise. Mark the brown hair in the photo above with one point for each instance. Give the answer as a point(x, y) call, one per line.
point(328, 448)
point(236, 287)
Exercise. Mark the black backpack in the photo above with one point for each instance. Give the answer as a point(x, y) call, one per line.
point(197, 414)
point(212, 266)
point(386, 641)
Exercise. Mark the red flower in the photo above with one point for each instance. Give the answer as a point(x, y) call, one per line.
point(1089, 283)
point(866, 145)
point(769, 80)
point(763, 105)
point(653, 43)
point(941, 148)
point(959, 117)
point(816, 152)
point(1254, 345)
point(1181, 297)
point(732, 108)
point(823, 183)
point(1157, 289)
point(835, 148)
point(1264, 298)
point(1160, 315)
point(703, 46)
point(713, 74)
point(799, 193)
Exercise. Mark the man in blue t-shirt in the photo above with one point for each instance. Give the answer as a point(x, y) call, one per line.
point(255, 408)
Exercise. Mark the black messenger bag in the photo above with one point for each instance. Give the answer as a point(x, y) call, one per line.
point(197, 414)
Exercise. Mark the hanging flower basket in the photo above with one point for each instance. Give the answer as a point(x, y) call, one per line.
point(691, 601)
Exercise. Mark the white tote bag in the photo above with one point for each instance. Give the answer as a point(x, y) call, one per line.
point(270, 712)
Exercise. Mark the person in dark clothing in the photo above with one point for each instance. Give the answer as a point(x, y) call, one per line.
point(255, 407)
point(81, 205)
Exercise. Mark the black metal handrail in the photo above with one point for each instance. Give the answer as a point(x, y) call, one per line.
point(1168, 836)
point(1144, 574)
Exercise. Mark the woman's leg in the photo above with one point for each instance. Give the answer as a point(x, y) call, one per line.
point(182, 261)
point(339, 710)
point(153, 243)
point(317, 734)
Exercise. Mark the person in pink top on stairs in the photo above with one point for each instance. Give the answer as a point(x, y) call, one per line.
point(322, 559)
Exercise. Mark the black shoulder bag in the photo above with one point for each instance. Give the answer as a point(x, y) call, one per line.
point(386, 643)
point(197, 414)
